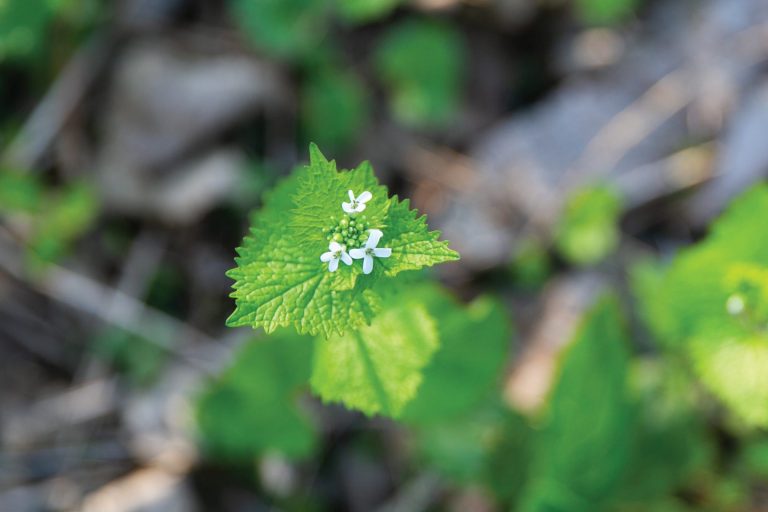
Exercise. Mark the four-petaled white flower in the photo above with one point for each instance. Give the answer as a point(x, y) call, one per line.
point(370, 250)
point(336, 252)
point(356, 204)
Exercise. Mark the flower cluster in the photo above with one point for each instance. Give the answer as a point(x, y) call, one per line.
point(351, 238)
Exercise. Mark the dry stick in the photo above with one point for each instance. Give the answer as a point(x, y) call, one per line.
point(629, 127)
point(90, 296)
point(668, 96)
point(52, 113)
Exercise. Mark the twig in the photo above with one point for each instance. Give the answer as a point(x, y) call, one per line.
point(53, 112)
point(90, 296)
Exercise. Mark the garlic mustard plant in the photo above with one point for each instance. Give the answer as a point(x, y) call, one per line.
point(281, 279)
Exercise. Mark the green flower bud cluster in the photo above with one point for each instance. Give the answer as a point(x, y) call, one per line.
point(350, 231)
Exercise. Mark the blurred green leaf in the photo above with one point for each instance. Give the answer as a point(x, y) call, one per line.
point(334, 108)
point(362, 11)
point(710, 305)
point(289, 29)
point(421, 63)
point(588, 230)
point(140, 360)
point(474, 342)
point(605, 12)
point(66, 214)
point(252, 407)
point(734, 367)
point(755, 459)
point(23, 26)
point(461, 449)
point(19, 192)
point(507, 469)
point(531, 266)
point(582, 449)
point(670, 445)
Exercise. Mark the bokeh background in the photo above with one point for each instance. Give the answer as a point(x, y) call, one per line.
point(554, 142)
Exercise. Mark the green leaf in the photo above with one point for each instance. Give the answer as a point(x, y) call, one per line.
point(531, 266)
point(605, 12)
point(377, 369)
point(588, 231)
point(280, 280)
point(66, 215)
point(670, 443)
point(287, 29)
point(140, 360)
point(19, 192)
point(252, 407)
point(461, 449)
point(22, 27)
point(733, 367)
point(361, 11)
point(421, 64)
point(473, 345)
point(334, 108)
point(711, 305)
point(582, 448)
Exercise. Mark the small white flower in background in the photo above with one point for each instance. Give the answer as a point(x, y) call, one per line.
point(370, 250)
point(734, 305)
point(356, 204)
point(336, 252)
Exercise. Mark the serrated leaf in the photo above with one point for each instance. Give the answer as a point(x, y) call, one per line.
point(377, 369)
point(413, 245)
point(473, 346)
point(252, 407)
point(280, 280)
point(583, 445)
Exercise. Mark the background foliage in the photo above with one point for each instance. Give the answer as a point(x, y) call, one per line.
point(598, 165)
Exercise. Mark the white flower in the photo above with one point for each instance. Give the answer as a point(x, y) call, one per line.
point(336, 252)
point(370, 250)
point(356, 204)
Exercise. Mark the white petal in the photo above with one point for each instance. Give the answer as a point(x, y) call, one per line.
point(382, 252)
point(357, 253)
point(334, 246)
point(367, 264)
point(360, 207)
point(351, 196)
point(364, 197)
point(333, 265)
point(347, 207)
point(345, 258)
point(326, 256)
point(374, 235)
